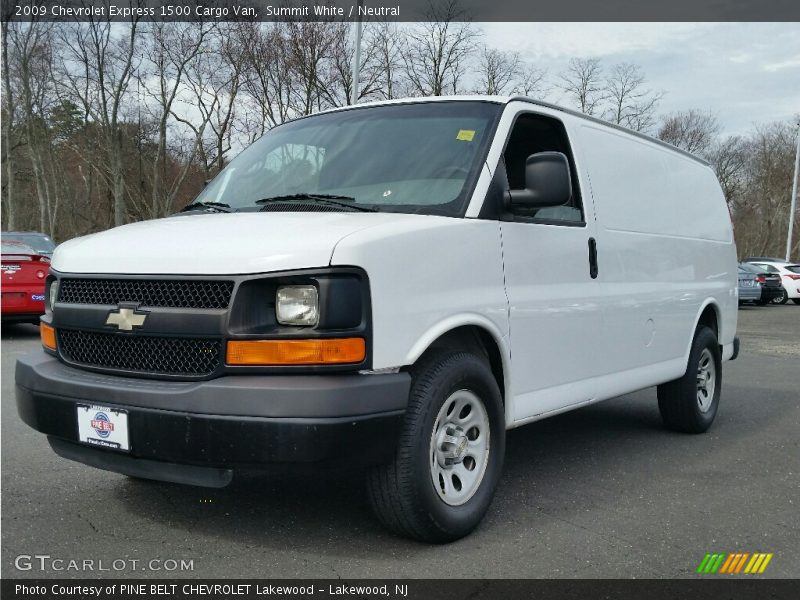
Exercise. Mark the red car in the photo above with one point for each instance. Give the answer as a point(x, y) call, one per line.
point(23, 275)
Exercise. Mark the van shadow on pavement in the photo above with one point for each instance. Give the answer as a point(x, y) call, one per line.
point(560, 457)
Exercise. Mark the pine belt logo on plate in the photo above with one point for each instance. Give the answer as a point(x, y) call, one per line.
point(102, 426)
point(735, 563)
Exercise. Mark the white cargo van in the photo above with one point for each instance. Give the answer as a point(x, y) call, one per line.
point(391, 286)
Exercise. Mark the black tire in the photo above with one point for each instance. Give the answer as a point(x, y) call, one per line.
point(782, 299)
point(678, 400)
point(796, 300)
point(402, 493)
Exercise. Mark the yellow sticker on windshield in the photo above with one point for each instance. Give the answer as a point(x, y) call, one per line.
point(465, 135)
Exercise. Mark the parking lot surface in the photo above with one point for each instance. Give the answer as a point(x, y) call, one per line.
point(603, 491)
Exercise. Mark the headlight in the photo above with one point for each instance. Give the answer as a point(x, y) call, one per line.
point(297, 305)
point(53, 294)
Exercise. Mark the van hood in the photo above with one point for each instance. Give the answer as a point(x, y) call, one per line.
point(217, 244)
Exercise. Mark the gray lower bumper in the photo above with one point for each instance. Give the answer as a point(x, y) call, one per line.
point(276, 396)
point(198, 432)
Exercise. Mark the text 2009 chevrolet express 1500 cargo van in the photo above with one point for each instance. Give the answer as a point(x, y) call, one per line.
point(391, 286)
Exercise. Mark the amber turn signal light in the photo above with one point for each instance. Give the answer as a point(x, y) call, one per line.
point(296, 352)
point(48, 335)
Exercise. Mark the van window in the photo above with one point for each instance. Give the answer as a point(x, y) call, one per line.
point(408, 158)
point(536, 133)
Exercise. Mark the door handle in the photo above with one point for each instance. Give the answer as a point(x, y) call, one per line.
point(592, 258)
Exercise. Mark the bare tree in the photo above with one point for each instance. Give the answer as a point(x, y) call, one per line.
point(729, 159)
point(583, 83)
point(31, 46)
point(388, 47)
point(97, 69)
point(692, 130)
point(438, 50)
point(532, 81)
point(630, 103)
point(310, 47)
point(337, 87)
point(9, 141)
point(497, 71)
point(213, 81)
point(267, 75)
point(173, 49)
point(764, 206)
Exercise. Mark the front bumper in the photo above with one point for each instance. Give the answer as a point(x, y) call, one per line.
point(199, 432)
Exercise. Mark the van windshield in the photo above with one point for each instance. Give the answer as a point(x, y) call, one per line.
point(412, 158)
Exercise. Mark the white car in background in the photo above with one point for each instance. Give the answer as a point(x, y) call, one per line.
point(790, 277)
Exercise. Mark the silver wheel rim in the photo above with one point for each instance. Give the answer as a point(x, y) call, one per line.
point(459, 447)
point(706, 380)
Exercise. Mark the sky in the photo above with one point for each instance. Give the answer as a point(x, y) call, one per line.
point(744, 73)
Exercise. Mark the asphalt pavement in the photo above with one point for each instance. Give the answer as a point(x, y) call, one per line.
point(603, 491)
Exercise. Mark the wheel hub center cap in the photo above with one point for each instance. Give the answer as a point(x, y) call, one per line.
point(703, 379)
point(451, 445)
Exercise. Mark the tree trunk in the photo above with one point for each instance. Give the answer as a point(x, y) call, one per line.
point(118, 179)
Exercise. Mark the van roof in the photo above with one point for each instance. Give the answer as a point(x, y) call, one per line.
point(506, 100)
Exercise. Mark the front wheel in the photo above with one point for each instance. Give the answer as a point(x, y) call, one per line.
point(450, 453)
point(689, 404)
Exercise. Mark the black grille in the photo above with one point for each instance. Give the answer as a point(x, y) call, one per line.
point(147, 292)
point(145, 354)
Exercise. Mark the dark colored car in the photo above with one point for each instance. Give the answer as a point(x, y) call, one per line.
point(770, 283)
point(23, 273)
point(38, 241)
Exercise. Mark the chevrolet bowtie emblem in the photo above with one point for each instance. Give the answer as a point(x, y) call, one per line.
point(126, 318)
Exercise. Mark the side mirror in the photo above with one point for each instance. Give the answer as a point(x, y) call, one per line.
point(547, 182)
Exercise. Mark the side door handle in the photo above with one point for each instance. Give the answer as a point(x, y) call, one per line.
point(592, 258)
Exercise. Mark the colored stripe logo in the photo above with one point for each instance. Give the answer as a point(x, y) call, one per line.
point(735, 563)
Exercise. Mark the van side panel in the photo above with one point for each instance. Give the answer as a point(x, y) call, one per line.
point(645, 188)
point(665, 248)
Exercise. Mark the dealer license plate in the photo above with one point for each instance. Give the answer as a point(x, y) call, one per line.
point(103, 426)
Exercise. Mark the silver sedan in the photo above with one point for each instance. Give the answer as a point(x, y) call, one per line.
point(749, 288)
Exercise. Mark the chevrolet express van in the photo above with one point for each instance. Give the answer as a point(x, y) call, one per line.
point(391, 286)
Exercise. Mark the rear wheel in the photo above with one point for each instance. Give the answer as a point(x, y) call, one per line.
point(782, 298)
point(689, 404)
point(450, 453)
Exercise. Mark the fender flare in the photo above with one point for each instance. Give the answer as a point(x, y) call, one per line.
point(440, 328)
point(710, 301)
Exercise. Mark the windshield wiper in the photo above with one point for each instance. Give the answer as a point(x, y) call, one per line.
point(208, 206)
point(333, 199)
